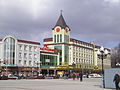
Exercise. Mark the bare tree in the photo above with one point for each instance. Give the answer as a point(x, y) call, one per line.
point(115, 56)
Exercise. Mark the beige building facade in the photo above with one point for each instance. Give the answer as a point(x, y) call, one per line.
point(82, 54)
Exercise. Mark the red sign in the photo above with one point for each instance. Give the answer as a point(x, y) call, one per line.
point(46, 48)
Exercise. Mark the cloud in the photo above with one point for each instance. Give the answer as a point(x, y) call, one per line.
point(112, 1)
point(89, 20)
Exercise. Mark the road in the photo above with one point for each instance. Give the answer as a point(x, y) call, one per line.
point(52, 84)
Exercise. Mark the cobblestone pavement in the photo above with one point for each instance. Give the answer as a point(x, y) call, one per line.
point(52, 84)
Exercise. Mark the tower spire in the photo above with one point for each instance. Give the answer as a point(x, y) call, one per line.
point(61, 22)
point(61, 12)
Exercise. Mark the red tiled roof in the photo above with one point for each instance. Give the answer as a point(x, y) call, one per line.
point(30, 42)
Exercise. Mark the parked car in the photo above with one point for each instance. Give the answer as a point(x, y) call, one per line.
point(94, 75)
point(12, 77)
point(3, 77)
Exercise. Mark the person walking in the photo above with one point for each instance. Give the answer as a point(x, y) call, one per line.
point(73, 76)
point(117, 80)
point(81, 77)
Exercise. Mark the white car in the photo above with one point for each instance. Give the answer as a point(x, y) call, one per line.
point(12, 77)
point(94, 75)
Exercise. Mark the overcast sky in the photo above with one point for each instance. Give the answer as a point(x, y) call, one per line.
point(90, 20)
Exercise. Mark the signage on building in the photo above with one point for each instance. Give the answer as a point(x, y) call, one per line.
point(47, 48)
point(48, 67)
point(45, 67)
point(52, 67)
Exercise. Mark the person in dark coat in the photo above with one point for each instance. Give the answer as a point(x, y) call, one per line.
point(117, 80)
point(81, 77)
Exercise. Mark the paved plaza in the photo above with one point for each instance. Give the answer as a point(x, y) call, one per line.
point(52, 84)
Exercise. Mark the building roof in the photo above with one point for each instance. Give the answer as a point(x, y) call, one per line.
point(24, 41)
point(75, 40)
point(48, 39)
point(61, 22)
point(30, 42)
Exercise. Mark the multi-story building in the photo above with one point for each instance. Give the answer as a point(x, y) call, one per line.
point(19, 56)
point(83, 54)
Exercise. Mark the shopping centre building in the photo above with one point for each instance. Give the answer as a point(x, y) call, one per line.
point(82, 55)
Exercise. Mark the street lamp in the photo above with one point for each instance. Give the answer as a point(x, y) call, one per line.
point(102, 54)
point(118, 64)
point(38, 66)
point(73, 64)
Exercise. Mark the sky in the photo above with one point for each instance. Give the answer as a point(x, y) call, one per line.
point(95, 21)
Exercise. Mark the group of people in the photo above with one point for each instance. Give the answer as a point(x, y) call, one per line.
point(74, 75)
point(79, 75)
point(117, 80)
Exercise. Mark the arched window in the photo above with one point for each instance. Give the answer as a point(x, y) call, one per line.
point(9, 51)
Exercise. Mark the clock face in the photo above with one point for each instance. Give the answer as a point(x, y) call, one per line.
point(57, 29)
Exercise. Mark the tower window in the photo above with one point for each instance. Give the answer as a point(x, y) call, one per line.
point(54, 38)
point(57, 38)
point(60, 37)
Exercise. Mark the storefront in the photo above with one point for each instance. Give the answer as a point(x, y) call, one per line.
point(25, 71)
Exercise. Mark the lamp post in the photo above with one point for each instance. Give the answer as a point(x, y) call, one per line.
point(73, 64)
point(117, 64)
point(38, 63)
point(102, 54)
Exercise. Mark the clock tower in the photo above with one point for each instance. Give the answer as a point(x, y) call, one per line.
point(61, 39)
point(61, 32)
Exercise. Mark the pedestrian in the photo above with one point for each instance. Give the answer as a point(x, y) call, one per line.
point(73, 76)
point(117, 80)
point(78, 75)
point(81, 77)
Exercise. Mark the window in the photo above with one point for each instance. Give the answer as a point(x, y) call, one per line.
point(9, 50)
point(29, 62)
point(54, 38)
point(30, 48)
point(35, 56)
point(35, 49)
point(19, 61)
point(20, 55)
point(30, 56)
point(60, 37)
point(25, 62)
point(57, 38)
point(25, 48)
point(20, 47)
point(25, 55)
